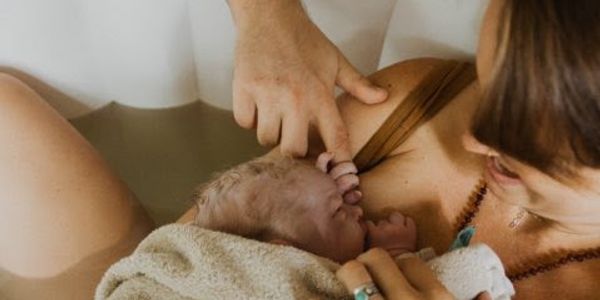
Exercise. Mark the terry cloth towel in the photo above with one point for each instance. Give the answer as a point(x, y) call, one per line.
point(468, 271)
point(187, 262)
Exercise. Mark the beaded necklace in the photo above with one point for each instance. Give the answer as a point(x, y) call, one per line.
point(543, 264)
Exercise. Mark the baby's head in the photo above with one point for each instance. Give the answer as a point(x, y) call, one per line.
point(283, 201)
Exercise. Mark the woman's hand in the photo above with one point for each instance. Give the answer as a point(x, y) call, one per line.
point(284, 78)
point(410, 279)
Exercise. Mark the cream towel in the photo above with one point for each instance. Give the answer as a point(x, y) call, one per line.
point(187, 262)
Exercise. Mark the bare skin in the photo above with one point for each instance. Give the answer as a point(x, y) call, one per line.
point(284, 78)
point(418, 172)
point(69, 225)
point(306, 209)
point(66, 214)
point(437, 168)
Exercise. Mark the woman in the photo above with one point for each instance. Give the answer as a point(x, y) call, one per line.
point(530, 209)
point(535, 138)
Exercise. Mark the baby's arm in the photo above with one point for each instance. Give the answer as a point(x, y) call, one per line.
point(397, 234)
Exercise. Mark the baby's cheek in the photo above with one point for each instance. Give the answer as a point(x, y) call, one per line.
point(357, 245)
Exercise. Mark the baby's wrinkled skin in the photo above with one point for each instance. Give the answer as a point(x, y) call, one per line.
point(311, 208)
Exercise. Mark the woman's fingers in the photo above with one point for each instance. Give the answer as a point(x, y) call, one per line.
point(386, 274)
point(411, 278)
point(420, 276)
point(354, 275)
point(484, 296)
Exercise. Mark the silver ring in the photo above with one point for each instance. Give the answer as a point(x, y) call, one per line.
point(365, 291)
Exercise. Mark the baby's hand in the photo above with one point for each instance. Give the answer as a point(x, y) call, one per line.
point(397, 234)
point(344, 174)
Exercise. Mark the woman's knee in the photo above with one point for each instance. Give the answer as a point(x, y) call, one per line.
point(11, 87)
point(14, 93)
point(50, 172)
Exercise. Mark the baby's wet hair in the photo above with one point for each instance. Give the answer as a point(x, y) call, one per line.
point(249, 199)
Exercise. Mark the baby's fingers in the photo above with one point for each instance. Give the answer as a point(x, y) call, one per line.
point(346, 183)
point(397, 218)
point(324, 160)
point(352, 197)
point(343, 168)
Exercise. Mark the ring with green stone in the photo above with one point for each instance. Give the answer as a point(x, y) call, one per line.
point(365, 291)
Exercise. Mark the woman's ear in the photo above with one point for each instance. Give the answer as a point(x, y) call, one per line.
point(280, 242)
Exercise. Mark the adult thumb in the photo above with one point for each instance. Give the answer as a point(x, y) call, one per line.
point(358, 85)
point(484, 296)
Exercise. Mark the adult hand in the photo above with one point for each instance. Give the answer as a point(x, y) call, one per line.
point(285, 75)
point(408, 279)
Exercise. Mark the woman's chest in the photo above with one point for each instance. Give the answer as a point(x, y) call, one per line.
point(436, 195)
point(426, 185)
point(575, 281)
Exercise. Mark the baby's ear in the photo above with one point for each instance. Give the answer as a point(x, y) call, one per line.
point(280, 242)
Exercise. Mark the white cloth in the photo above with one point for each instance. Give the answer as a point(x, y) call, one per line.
point(187, 262)
point(156, 53)
point(466, 272)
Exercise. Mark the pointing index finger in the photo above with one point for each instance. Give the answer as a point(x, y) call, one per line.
point(333, 132)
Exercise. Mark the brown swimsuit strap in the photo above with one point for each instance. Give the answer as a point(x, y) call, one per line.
point(438, 88)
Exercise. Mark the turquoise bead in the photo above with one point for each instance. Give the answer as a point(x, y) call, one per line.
point(362, 295)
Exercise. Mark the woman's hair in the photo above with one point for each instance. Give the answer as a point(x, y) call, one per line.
point(542, 104)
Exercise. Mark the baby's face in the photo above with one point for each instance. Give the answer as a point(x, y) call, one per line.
point(329, 227)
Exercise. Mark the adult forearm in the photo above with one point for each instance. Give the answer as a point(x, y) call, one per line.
point(245, 12)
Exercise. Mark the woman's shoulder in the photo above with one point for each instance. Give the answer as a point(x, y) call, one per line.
point(399, 80)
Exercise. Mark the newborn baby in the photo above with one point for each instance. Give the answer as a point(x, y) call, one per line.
point(290, 202)
point(313, 208)
point(283, 202)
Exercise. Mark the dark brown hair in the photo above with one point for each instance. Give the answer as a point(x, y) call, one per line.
point(542, 104)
